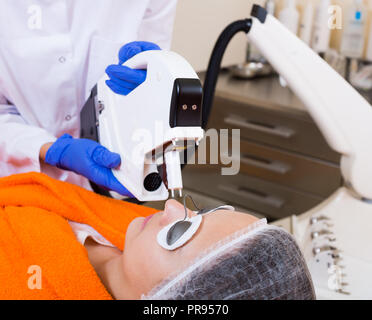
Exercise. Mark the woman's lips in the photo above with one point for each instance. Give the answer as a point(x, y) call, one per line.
point(147, 219)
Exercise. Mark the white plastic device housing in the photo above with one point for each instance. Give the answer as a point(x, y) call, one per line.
point(137, 124)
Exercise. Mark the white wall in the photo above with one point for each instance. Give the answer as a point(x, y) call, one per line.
point(199, 23)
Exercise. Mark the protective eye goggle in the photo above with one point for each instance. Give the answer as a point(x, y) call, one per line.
point(181, 231)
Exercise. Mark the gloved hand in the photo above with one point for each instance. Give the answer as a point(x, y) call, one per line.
point(87, 158)
point(123, 79)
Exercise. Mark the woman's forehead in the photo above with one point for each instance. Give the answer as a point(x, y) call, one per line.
point(225, 222)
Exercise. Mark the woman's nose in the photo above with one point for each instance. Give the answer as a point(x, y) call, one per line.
point(174, 210)
point(174, 207)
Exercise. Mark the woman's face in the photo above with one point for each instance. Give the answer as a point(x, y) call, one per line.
point(146, 263)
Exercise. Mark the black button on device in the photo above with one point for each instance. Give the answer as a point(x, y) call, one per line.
point(186, 104)
point(152, 182)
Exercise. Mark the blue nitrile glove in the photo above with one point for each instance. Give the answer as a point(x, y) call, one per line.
point(87, 158)
point(123, 79)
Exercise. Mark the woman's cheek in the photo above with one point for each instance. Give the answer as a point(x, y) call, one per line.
point(134, 229)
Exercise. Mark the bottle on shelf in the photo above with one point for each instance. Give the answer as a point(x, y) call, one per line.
point(289, 16)
point(369, 43)
point(306, 26)
point(322, 32)
point(352, 44)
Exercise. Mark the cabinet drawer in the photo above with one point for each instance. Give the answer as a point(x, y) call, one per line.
point(288, 169)
point(274, 128)
point(257, 195)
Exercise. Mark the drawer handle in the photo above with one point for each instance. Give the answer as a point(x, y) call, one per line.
point(279, 131)
point(271, 165)
point(258, 196)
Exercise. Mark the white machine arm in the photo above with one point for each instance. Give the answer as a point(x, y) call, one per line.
point(342, 114)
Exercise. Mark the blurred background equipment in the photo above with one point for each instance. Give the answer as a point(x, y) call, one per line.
point(342, 26)
point(275, 127)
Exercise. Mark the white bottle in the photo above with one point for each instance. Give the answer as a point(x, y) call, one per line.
point(270, 6)
point(369, 44)
point(352, 44)
point(306, 26)
point(322, 31)
point(289, 16)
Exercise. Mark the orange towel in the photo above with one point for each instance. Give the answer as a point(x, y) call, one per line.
point(34, 232)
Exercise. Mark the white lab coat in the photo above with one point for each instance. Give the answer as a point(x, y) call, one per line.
point(52, 52)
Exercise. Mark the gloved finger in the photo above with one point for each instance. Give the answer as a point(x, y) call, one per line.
point(136, 76)
point(128, 51)
point(145, 45)
point(105, 178)
point(131, 49)
point(116, 186)
point(124, 84)
point(106, 158)
point(117, 89)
